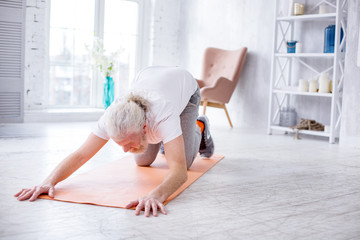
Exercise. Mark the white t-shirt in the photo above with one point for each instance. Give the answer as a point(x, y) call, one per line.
point(168, 90)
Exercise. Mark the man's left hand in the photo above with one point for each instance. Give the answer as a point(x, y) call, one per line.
point(147, 204)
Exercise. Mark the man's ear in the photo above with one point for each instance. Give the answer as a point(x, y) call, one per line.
point(144, 128)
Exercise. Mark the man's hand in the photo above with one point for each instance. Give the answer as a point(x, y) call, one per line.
point(34, 192)
point(148, 203)
point(175, 156)
point(65, 168)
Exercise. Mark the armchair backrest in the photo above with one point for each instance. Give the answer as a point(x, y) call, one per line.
point(223, 63)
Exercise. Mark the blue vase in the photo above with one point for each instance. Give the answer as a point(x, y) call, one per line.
point(108, 96)
point(329, 39)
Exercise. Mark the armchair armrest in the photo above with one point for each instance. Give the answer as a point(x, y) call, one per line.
point(201, 83)
point(220, 91)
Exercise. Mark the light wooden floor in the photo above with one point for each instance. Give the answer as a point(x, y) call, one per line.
point(267, 187)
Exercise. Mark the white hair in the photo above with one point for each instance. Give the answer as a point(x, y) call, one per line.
point(127, 116)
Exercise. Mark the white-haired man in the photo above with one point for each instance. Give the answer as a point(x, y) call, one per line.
point(162, 107)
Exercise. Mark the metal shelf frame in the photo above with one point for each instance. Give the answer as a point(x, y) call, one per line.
point(281, 65)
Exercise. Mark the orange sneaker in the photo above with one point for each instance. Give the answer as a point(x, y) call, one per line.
point(207, 147)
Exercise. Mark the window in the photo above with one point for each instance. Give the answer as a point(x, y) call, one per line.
point(73, 23)
point(120, 32)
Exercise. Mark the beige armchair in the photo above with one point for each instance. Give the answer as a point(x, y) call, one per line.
point(221, 72)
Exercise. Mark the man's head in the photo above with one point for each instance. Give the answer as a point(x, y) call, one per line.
point(134, 143)
point(126, 123)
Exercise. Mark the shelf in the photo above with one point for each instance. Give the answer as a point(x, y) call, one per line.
point(298, 55)
point(309, 17)
point(308, 132)
point(286, 68)
point(294, 91)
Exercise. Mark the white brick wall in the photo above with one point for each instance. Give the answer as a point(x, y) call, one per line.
point(35, 54)
point(165, 33)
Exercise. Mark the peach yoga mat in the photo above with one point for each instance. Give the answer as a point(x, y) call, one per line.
point(120, 182)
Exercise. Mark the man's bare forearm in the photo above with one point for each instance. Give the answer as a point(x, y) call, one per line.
point(175, 156)
point(67, 167)
point(171, 183)
point(75, 160)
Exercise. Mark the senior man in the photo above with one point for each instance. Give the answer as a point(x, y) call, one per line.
point(161, 108)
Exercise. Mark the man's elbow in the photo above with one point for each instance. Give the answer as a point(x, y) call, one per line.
point(180, 173)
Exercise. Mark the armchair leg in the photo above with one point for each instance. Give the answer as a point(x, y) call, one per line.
point(205, 103)
point(227, 114)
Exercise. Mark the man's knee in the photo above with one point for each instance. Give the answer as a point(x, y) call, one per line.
point(189, 161)
point(143, 165)
point(143, 161)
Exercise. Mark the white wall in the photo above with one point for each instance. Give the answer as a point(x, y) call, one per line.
point(231, 24)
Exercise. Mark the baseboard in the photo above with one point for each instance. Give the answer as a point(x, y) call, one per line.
point(63, 115)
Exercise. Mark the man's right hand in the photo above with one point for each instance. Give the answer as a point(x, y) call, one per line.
point(69, 165)
point(34, 192)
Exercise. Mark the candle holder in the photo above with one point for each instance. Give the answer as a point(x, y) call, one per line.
point(323, 9)
point(298, 9)
point(303, 85)
point(313, 86)
point(291, 46)
point(324, 83)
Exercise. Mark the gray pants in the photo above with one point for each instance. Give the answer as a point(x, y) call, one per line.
point(191, 134)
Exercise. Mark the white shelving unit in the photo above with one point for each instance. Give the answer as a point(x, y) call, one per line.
point(282, 86)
